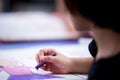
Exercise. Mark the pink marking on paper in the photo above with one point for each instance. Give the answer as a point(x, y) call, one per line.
point(1, 69)
point(18, 70)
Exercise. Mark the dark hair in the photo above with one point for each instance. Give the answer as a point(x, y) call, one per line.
point(104, 14)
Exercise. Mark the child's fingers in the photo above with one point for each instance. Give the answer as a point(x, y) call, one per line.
point(46, 67)
point(43, 68)
point(37, 58)
point(40, 54)
point(47, 51)
point(44, 52)
point(50, 59)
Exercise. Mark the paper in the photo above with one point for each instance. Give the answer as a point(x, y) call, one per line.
point(32, 77)
point(72, 76)
point(19, 70)
point(4, 75)
point(7, 63)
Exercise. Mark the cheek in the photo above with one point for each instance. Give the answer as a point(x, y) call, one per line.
point(80, 25)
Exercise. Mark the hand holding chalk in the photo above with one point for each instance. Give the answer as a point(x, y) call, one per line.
point(42, 62)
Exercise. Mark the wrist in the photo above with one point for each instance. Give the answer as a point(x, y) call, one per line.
point(71, 66)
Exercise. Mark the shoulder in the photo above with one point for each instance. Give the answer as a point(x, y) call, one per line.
point(105, 69)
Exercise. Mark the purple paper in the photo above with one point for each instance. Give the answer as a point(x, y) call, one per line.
point(32, 77)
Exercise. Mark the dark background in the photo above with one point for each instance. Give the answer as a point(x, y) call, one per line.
point(28, 5)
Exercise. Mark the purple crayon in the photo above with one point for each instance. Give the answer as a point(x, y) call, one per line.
point(42, 62)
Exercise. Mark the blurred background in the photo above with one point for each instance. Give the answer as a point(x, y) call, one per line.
point(35, 20)
point(28, 5)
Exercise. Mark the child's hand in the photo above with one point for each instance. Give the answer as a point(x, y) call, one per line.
point(55, 64)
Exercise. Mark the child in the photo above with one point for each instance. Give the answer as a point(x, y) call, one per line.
point(102, 20)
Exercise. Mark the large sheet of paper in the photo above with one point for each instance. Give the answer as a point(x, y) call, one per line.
point(24, 59)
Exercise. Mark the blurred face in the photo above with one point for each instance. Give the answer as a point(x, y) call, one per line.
point(80, 23)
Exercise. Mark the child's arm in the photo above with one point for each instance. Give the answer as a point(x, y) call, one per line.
point(81, 65)
point(61, 63)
